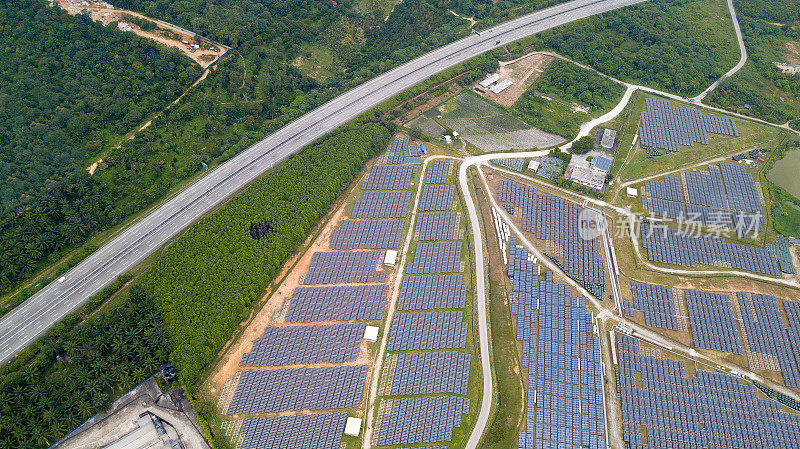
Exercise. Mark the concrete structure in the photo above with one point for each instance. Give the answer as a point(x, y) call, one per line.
point(631, 192)
point(533, 165)
point(490, 79)
point(352, 427)
point(609, 139)
point(371, 333)
point(501, 86)
point(390, 258)
point(590, 177)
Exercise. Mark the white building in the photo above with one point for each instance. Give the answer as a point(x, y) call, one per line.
point(490, 79)
point(631, 192)
point(590, 177)
point(390, 258)
point(352, 427)
point(501, 86)
point(371, 333)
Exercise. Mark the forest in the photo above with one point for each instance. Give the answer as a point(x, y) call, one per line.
point(760, 89)
point(574, 84)
point(672, 45)
point(69, 87)
point(206, 282)
point(80, 368)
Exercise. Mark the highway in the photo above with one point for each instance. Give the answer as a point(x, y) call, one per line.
point(33, 317)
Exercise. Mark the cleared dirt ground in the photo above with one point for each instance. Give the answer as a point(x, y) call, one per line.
point(100, 12)
point(524, 71)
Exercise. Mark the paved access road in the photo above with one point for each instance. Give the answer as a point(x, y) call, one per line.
point(33, 317)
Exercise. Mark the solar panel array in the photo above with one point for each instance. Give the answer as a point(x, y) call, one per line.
point(368, 234)
point(556, 220)
point(549, 167)
point(395, 154)
point(669, 189)
point(345, 267)
point(711, 317)
point(436, 225)
point(667, 127)
point(793, 331)
point(437, 173)
point(781, 250)
point(382, 205)
point(563, 358)
point(437, 197)
point(337, 303)
point(278, 390)
point(763, 327)
point(431, 372)
point(724, 196)
point(436, 257)
point(389, 177)
point(656, 302)
point(741, 188)
point(427, 330)
point(432, 292)
point(670, 246)
point(320, 431)
point(514, 164)
point(422, 420)
point(299, 345)
point(664, 208)
point(710, 410)
point(706, 188)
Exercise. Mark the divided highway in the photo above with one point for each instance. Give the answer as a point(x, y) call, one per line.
point(33, 317)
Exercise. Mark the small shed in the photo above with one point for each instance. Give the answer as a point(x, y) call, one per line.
point(352, 427)
point(632, 192)
point(390, 258)
point(371, 333)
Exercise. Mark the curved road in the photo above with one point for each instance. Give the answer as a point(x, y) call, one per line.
point(739, 65)
point(33, 317)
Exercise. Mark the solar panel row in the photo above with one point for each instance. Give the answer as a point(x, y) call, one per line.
point(337, 303)
point(671, 246)
point(656, 302)
point(711, 317)
point(763, 326)
point(382, 205)
point(422, 420)
point(431, 372)
point(436, 257)
point(368, 234)
point(389, 177)
point(278, 390)
point(427, 330)
point(557, 220)
point(345, 267)
point(395, 154)
point(437, 197)
point(298, 345)
point(319, 431)
point(438, 172)
point(436, 225)
point(669, 189)
point(667, 127)
point(432, 292)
